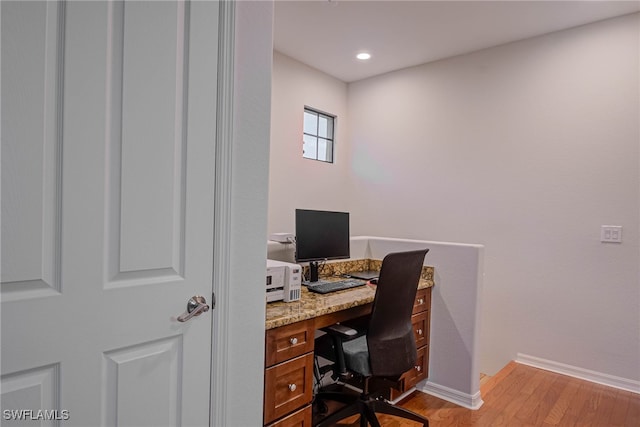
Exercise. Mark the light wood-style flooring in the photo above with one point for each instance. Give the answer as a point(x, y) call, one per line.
point(522, 396)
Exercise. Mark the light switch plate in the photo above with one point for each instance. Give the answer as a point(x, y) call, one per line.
point(611, 233)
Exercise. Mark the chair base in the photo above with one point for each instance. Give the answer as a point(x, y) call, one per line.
point(365, 405)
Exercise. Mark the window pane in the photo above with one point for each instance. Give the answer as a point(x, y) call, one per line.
point(325, 128)
point(322, 149)
point(310, 123)
point(325, 150)
point(309, 147)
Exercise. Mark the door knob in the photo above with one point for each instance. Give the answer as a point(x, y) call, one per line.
point(195, 307)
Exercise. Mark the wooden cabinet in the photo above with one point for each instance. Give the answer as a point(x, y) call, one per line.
point(423, 300)
point(288, 378)
point(419, 372)
point(421, 321)
point(289, 341)
point(300, 418)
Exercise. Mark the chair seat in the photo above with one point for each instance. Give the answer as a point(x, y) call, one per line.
point(356, 355)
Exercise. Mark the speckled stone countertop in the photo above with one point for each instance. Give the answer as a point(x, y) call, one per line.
point(313, 305)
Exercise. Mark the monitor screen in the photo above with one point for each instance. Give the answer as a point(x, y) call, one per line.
point(321, 235)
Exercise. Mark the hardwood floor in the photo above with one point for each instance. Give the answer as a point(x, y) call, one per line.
point(520, 395)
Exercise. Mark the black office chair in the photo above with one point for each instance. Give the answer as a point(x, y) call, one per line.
point(386, 351)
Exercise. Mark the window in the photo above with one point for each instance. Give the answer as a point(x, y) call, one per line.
point(317, 142)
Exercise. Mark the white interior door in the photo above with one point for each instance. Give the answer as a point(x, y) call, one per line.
point(108, 142)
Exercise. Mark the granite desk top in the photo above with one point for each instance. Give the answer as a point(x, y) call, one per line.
point(313, 305)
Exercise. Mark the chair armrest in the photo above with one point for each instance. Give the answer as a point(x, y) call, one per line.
point(344, 332)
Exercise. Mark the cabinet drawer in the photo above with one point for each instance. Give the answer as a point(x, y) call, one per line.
point(419, 372)
point(300, 418)
point(412, 377)
point(288, 341)
point(287, 387)
point(420, 323)
point(423, 300)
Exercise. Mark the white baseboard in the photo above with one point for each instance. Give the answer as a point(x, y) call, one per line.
point(450, 395)
point(403, 395)
point(581, 373)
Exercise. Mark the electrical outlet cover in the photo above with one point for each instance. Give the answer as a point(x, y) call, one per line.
point(611, 233)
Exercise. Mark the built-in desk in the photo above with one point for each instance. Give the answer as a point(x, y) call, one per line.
point(289, 344)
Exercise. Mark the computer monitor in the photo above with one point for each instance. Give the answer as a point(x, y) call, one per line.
point(320, 236)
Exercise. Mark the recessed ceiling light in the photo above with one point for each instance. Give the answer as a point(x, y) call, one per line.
point(363, 56)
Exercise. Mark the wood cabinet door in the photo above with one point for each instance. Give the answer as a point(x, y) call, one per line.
point(288, 386)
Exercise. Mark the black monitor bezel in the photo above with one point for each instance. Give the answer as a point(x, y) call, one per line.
point(331, 256)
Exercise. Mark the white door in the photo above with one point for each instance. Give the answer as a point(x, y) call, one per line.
point(108, 142)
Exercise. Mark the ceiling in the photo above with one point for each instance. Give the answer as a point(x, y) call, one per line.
point(327, 34)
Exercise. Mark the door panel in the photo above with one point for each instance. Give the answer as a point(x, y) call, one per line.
point(32, 389)
point(107, 209)
point(135, 395)
point(153, 115)
point(148, 110)
point(31, 179)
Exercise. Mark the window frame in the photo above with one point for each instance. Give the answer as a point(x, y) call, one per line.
point(330, 139)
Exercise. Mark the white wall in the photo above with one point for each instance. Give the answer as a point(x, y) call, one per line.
point(526, 148)
point(244, 309)
point(295, 182)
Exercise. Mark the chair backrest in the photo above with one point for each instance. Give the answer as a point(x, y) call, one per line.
point(390, 339)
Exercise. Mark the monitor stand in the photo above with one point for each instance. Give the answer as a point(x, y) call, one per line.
point(313, 271)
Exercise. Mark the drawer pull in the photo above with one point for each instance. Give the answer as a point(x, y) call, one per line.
point(419, 331)
point(293, 341)
point(418, 368)
point(292, 387)
point(420, 300)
